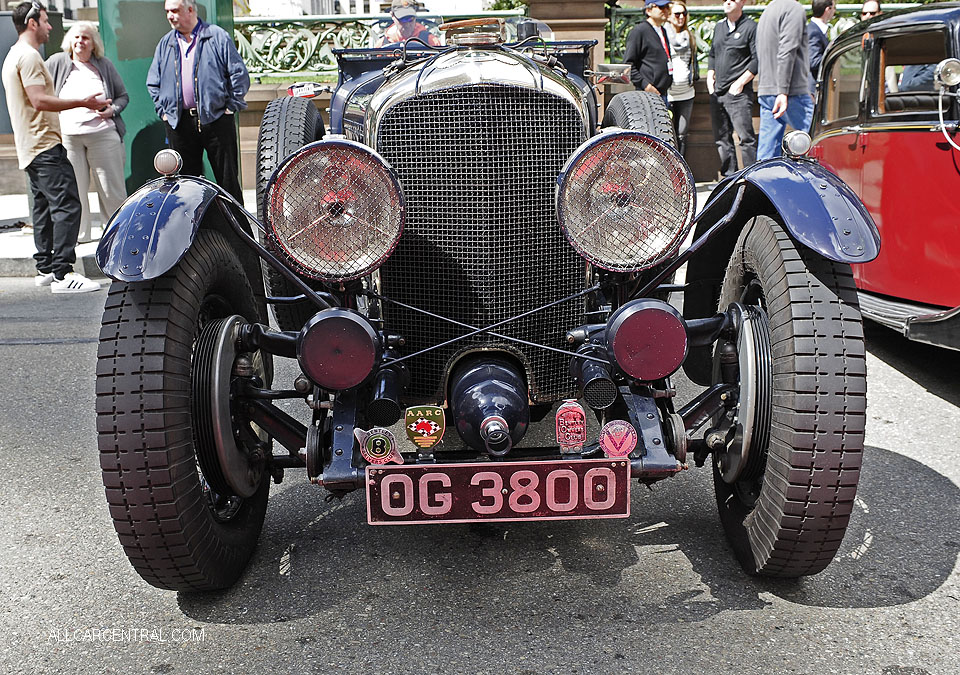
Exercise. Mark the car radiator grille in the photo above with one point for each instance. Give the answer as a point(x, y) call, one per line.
point(478, 165)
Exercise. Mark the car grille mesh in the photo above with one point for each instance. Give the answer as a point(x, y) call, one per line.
point(478, 166)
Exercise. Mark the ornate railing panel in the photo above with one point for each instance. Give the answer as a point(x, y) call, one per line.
point(304, 45)
point(702, 21)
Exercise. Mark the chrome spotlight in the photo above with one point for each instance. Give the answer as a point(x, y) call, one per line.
point(947, 73)
point(168, 162)
point(796, 143)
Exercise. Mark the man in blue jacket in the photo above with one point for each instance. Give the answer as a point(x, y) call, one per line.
point(197, 81)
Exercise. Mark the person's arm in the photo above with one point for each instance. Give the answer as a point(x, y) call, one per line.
point(816, 47)
point(788, 50)
point(59, 77)
point(737, 87)
point(238, 78)
point(643, 53)
point(712, 61)
point(120, 96)
point(34, 77)
point(753, 65)
point(153, 81)
point(44, 102)
point(694, 61)
point(633, 56)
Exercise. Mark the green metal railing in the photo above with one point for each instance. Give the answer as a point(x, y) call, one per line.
point(702, 21)
point(304, 45)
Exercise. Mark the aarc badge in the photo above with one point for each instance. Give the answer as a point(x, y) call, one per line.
point(425, 425)
point(618, 438)
point(378, 446)
point(571, 427)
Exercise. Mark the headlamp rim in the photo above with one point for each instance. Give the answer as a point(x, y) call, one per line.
point(318, 146)
point(938, 72)
point(607, 135)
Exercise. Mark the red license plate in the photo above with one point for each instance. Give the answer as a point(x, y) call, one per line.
point(504, 491)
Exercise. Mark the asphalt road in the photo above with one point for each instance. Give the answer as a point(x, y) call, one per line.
point(659, 592)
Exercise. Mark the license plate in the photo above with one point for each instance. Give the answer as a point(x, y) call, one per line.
point(504, 491)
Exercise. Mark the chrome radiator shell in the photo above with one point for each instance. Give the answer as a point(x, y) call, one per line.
point(478, 163)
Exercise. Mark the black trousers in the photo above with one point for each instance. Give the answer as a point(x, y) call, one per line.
point(731, 113)
point(56, 211)
point(219, 139)
point(682, 111)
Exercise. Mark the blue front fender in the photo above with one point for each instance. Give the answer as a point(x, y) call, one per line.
point(818, 209)
point(154, 228)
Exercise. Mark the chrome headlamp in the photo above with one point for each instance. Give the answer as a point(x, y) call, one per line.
point(796, 143)
point(168, 162)
point(625, 200)
point(947, 73)
point(335, 210)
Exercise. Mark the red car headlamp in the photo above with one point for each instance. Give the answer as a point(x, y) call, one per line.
point(335, 210)
point(625, 200)
point(338, 349)
point(647, 339)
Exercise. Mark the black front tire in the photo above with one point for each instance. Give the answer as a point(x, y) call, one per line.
point(288, 124)
point(175, 532)
point(789, 521)
point(641, 111)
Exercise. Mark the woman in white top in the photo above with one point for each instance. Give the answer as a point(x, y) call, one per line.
point(683, 49)
point(93, 139)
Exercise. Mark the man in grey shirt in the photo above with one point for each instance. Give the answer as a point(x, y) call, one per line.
point(784, 91)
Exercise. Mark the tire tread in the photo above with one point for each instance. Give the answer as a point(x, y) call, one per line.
point(819, 368)
point(144, 428)
point(641, 111)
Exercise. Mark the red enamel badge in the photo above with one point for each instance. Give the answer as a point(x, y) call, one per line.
point(571, 427)
point(618, 438)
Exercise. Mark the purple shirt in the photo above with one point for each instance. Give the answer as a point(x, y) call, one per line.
point(187, 57)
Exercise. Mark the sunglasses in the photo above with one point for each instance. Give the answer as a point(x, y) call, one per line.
point(679, 13)
point(34, 13)
point(863, 14)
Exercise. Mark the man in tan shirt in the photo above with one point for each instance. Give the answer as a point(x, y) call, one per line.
point(33, 111)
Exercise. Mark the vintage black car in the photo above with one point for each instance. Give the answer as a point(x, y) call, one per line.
point(471, 246)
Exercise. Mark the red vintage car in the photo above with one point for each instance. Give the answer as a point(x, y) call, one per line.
point(886, 123)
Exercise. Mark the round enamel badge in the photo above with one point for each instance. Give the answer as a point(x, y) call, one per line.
point(618, 438)
point(378, 446)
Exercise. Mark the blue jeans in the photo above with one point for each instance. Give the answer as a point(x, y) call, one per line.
point(799, 114)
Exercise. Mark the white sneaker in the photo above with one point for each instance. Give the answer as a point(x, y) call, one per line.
point(43, 279)
point(74, 283)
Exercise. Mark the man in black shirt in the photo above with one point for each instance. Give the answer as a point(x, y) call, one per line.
point(732, 65)
point(648, 52)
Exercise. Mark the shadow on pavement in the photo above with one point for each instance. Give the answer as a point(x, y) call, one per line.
point(934, 368)
point(669, 562)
